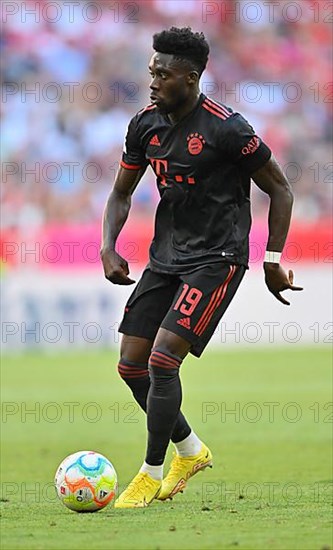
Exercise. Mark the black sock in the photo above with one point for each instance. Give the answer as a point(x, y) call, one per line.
point(163, 403)
point(136, 376)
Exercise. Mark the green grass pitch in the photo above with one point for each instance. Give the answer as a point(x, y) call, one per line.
point(265, 414)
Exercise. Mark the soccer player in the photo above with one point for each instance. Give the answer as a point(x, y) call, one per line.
point(203, 155)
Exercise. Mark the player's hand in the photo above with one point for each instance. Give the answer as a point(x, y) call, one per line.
point(115, 268)
point(277, 280)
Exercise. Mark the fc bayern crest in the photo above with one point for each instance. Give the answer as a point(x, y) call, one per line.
point(195, 143)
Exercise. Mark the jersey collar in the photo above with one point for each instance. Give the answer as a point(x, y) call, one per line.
point(201, 98)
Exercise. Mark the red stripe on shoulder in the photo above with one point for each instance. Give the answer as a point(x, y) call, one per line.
point(218, 107)
point(130, 166)
point(148, 108)
point(220, 115)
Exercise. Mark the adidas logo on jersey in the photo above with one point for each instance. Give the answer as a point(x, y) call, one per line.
point(185, 322)
point(154, 140)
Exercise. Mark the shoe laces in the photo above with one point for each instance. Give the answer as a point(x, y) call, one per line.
point(177, 465)
point(140, 482)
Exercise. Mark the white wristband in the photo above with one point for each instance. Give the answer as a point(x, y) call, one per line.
point(272, 257)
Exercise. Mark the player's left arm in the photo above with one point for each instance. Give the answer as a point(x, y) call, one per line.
point(270, 179)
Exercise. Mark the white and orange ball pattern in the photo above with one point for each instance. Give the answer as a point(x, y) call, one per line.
point(86, 481)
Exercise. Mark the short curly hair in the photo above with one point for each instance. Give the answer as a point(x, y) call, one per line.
point(184, 44)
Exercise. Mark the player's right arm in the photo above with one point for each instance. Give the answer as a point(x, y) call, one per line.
point(115, 215)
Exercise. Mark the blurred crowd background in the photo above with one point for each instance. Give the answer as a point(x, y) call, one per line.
point(74, 73)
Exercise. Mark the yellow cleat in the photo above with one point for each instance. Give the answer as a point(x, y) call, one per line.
point(140, 492)
point(181, 470)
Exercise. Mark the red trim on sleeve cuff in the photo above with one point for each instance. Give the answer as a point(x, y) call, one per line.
point(130, 166)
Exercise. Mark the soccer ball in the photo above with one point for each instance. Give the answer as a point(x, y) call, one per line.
point(86, 481)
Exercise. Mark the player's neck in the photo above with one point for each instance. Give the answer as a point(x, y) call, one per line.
point(181, 113)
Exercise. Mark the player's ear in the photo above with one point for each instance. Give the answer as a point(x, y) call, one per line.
point(193, 77)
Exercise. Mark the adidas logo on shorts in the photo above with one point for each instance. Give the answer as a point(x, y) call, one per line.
point(184, 322)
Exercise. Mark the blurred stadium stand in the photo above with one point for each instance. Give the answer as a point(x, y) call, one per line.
point(114, 54)
point(73, 76)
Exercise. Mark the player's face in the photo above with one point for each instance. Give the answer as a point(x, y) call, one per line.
point(170, 86)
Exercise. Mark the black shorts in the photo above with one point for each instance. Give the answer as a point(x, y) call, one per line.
point(189, 305)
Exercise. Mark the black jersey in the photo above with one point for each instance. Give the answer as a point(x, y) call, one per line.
point(203, 166)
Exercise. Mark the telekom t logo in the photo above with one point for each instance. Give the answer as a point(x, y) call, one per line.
point(160, 167)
